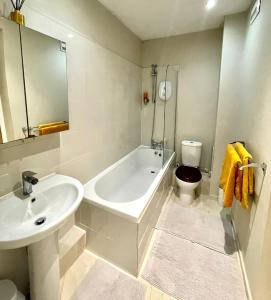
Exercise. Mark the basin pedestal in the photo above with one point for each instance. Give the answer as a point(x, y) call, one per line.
point(43, 260)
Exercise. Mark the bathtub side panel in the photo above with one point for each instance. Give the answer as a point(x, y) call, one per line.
point(110, 236)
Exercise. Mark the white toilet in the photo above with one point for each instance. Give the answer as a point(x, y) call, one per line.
point(8, 291)
point(188, 176)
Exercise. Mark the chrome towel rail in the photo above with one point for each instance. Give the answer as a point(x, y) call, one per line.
point(262, 166)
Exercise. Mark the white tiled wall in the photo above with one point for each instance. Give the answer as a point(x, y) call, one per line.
point(104, 105)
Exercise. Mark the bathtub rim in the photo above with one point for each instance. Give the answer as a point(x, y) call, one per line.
point(125, 209)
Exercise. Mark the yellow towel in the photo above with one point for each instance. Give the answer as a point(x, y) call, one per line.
point(244, 183)
point(229, 174)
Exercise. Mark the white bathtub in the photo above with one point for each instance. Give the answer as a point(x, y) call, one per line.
point(126, 187)
point(122, 205)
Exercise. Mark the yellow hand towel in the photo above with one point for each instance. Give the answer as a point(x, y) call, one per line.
point(244, 184)
point(229, 174)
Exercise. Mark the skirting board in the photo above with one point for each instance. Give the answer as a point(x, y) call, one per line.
point(241, 259)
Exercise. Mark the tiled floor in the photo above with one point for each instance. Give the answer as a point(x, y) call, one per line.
point(72, 279)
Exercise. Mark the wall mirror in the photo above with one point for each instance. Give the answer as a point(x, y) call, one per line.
point(33, 83)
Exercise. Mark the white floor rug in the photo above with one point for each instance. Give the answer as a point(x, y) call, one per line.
point(104, 282)
point(212, 229)
point(188, 271)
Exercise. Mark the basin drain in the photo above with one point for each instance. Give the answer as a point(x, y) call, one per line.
point(153, 172)
point(40, 221)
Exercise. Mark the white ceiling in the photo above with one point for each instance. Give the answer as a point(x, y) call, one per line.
point(150, 19)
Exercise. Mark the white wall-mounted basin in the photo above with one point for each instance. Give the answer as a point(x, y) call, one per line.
point(33, 221)
point(26, 220)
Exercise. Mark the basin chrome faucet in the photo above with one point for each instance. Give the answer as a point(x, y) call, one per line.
point(28, 180)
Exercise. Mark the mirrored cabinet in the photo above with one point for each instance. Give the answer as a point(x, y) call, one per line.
point(13, 118)
point(33, 83)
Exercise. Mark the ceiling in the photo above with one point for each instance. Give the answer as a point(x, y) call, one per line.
point(150, 19)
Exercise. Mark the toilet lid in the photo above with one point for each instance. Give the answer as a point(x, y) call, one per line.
point(8, 290)
point(188, 174)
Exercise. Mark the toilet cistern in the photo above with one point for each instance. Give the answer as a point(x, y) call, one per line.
point(28, 181)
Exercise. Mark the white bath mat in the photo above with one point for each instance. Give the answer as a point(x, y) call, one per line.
point(211, 229)
point(188, 271)
point(104, 282)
